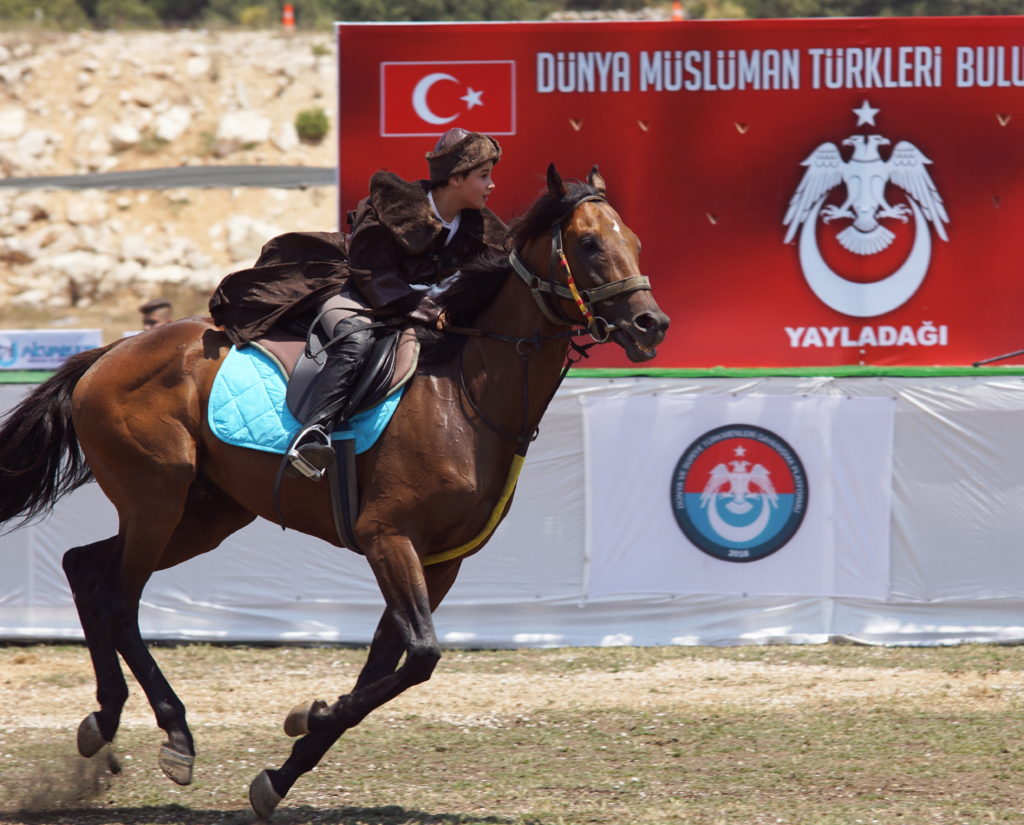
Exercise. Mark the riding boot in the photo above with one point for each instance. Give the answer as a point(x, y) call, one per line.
point(327, 402)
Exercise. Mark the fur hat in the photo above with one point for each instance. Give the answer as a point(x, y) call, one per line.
point(457, 151)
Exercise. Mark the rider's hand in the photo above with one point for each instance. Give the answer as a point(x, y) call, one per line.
point(426, 311)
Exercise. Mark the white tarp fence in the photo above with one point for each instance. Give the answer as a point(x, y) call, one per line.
point(951, 570)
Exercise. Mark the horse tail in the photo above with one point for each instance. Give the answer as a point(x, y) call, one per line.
point(40, 459)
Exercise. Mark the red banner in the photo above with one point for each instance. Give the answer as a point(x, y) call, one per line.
point(811, 192)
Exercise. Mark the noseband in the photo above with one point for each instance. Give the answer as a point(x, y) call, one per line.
point(599, 328)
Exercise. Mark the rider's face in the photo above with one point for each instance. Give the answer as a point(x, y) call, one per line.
point(475, 187)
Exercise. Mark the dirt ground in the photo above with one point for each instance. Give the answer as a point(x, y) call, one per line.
point(817, 735)
point(64, 675)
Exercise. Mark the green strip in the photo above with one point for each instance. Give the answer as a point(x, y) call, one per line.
point(24, 376)
point(38, 376)
point(796, 372)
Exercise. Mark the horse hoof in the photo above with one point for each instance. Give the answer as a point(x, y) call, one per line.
point(297, 723)
point(176, 766)
point(90, 740)
point(262, 796)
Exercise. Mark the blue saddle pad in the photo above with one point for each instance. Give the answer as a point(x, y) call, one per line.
point(247, 407)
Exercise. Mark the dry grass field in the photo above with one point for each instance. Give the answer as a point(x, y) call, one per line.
point(836, 735)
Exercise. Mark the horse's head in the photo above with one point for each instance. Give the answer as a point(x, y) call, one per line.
point(590, 261)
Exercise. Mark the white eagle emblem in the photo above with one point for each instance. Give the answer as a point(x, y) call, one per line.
point(740, 480)
point(866, 176)
point(744, 483)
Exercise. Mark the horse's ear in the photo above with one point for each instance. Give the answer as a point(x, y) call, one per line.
point(556, 186)
point(596, 180)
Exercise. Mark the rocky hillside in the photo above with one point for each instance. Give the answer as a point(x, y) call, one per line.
point(98, 102)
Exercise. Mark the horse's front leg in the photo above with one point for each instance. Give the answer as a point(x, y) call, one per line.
point(406, 627)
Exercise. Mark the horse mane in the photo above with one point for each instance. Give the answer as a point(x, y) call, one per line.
point(481, 279)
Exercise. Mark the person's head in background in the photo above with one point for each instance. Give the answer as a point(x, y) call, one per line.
point(156, 313)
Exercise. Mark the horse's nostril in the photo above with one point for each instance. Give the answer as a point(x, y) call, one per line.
point(645, 322)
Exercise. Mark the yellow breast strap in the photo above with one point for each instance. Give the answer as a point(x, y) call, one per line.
point(492, 522)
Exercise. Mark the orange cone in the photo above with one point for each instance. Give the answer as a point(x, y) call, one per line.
point(677, 10)
point(288, 17)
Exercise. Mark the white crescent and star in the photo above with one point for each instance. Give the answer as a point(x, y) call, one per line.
point(472, 97)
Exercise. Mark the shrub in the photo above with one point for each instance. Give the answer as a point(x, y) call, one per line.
point(131, 13)
point(254, 17)
point(311, 125)
point(54, 14)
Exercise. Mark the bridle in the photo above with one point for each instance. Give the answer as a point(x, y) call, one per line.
point(542, 289)
point(599, 328)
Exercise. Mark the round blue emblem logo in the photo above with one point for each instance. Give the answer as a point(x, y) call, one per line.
point(739, 492)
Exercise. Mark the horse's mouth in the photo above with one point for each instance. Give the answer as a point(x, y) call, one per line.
point(636, 351)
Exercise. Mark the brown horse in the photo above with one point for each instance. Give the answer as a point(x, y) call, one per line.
point(133, 416)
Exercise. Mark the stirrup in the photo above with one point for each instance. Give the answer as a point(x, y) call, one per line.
point(298, 461)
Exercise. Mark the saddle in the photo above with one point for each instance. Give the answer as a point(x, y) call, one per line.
point(389, 366)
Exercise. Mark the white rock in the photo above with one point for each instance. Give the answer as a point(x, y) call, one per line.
point(245, 236)
point(36, 297)
point(87, 209)
point(126, 274)
point(136, 248)
point(146, 94)
point(11, 74)
point(124, 136)
point(35, 204)
point(86, 269)
point(285, 138)
point(21, 218)
point(172, 123)
point(87, 125)
point(238, 129)
point(94, 146)
point(166, 274)
point(36, 143)
point(90, 96)
point(12, 122)
point(17, 251)
point(198, 67)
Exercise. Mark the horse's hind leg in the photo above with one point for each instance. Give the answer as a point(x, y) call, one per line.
point(84, 568)
point(406, 627)
point(208, 517)
point(108, 605)
point(107, 578)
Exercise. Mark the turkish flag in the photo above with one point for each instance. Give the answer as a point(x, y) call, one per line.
point(430, 97)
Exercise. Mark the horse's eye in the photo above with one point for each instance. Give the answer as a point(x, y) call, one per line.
point(588, 243)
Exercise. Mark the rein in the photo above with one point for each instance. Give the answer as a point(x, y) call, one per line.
point(524, 347)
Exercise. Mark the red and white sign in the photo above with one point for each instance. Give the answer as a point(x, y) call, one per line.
point(421, 97)
point(808, 192)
